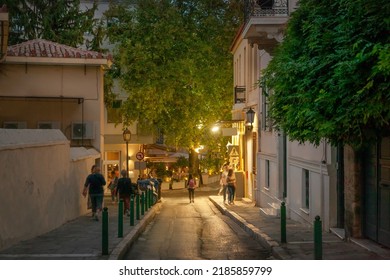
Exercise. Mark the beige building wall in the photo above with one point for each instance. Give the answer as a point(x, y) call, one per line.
point(296, 163)
point(246, 60)
point(44, 178)
point(62, 94)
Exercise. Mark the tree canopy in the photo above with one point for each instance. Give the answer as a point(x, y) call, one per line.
point(172, 58)
point(330, 76)
point(60, 21)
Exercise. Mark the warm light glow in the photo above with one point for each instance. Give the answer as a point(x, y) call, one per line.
point(215, 128)
point(201, 147)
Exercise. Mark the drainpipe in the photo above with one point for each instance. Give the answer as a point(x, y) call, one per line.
point(284, 140)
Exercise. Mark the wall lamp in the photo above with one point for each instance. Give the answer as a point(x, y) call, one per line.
point(250, 117)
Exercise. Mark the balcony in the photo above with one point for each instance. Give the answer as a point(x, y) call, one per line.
point(265, 21)
point(239, 94)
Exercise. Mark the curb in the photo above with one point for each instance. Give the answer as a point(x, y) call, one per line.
point(265, 240)
point(119, 251)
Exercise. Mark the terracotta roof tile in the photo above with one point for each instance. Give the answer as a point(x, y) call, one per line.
point(44, 48)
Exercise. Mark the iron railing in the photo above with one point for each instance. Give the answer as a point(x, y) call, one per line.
point(239, 94)
point(265, 8)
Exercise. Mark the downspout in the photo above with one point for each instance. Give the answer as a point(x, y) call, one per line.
point(81, 101)
point(284, 140)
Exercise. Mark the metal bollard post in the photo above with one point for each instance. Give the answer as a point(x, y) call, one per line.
point(120, 218)
point(146, 200)
point(143, 203)
point(150, 198)
point(132, 210)
point(317, 238)
point(283, 235)
point(137, 207)
point(105, 231)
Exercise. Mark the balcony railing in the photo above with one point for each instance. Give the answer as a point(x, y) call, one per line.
point(265, 8)
point(239, 94)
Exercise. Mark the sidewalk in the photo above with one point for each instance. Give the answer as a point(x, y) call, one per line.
point(81, 239)
point(300, 245)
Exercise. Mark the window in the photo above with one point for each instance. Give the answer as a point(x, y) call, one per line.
point(265, 119)
point(306, 189)
point(114, 112)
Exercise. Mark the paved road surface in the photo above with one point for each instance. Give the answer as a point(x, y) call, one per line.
point(190, 231)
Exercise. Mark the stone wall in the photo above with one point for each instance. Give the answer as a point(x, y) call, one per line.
point(353, 195)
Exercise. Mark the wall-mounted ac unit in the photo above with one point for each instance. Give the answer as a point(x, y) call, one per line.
point(83, 130)
point(14, 125)
point(48, 125)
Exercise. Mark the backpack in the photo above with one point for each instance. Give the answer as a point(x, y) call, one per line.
point(191, 184)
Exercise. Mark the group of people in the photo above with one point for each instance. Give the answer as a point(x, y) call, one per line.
point(228, 184)
point(121, 188)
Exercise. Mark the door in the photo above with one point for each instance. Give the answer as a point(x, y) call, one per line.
point(384, 194)
point(377, 193)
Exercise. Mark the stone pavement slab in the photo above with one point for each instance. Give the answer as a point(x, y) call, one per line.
point(300, 237)
point(81, 238)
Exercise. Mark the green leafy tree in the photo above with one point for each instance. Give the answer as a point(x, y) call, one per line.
point(330, 76)
point(60, 21)
point(173, 60)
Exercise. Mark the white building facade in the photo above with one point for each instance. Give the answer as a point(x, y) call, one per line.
point(276, 169)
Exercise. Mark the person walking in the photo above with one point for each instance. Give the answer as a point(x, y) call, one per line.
point(113, 186)
point(124, 189)
point(191, 185)
point(94, 187)
point(223, 182)
point(231, 184)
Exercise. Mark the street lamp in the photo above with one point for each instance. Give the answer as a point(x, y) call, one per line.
point(250, 116)
point(4, 24)
point(127, 138)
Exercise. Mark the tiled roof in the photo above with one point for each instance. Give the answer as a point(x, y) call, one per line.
point(44, 48)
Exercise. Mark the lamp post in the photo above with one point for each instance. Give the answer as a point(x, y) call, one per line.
point(4, 25)
point(250, 116)
point(127, 138)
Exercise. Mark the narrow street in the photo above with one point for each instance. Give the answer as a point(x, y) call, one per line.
point(194, 231)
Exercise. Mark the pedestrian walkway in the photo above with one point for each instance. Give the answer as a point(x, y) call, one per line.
point(299, 237)
point(82, 238)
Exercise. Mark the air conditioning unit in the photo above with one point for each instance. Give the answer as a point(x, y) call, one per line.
point(48, 125)
point(14, 125)
point(83, 130)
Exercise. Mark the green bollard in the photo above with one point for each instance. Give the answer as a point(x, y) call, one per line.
point(283, 235)
point(105, 231)
point(317, 238)
point(120, 218)
point(150, 198)
point(132, 210)
point(137, 207)
point(142, 203)
point(147, 200)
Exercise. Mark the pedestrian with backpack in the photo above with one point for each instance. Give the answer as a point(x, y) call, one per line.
point(191, 185)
